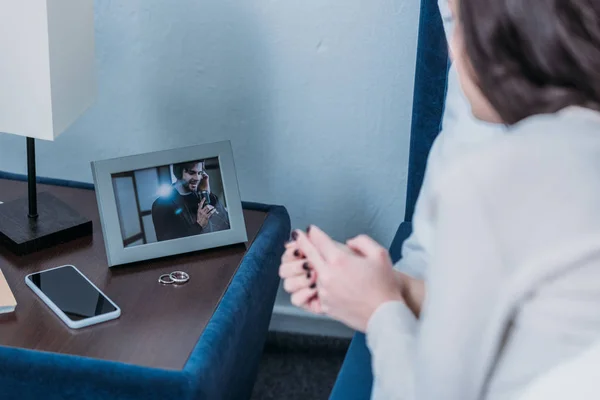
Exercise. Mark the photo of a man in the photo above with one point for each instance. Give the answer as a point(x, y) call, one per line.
point(190, 208)
point(170, 202)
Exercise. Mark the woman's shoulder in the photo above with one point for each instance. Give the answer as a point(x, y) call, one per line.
point(537, 186)
point(543, 148)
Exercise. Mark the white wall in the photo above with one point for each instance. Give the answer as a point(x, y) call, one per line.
point(315, 96)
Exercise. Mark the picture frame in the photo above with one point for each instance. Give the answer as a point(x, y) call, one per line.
point(156, 204)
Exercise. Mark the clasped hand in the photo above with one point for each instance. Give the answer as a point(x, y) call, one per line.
point(346, 282)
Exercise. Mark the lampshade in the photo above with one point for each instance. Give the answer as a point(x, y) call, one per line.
point(46, 83)
point(46, 65)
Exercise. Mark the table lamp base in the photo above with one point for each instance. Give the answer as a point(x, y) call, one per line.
point(56, 223)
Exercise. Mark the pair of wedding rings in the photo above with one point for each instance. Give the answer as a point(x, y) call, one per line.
point(174, 278)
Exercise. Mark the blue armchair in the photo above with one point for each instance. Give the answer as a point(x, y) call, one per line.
point(355, 379)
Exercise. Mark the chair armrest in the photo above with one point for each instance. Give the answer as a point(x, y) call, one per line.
point(401, 235)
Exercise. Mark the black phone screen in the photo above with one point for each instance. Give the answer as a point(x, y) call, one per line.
point(72, 293)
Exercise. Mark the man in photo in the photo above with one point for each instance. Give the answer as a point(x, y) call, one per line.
point(189, 208)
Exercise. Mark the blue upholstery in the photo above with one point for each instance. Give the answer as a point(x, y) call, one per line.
point(429, 97)
point(355, 379)
point(223, 365)
point(402, 234)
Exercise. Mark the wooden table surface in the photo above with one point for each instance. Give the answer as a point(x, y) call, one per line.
point(159, 325)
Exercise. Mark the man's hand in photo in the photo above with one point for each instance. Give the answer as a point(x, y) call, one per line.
point(204, 182)
point(204, 214)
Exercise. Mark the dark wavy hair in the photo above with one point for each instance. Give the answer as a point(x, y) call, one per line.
point(186, 166)
point(534, 56)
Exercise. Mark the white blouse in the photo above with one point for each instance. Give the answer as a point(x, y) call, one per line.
point(513, 269)
point(577, 379)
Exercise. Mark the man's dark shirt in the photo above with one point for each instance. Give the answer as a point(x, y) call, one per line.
point(174, 216)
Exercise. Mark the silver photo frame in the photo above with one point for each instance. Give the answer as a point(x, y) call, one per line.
point(116, 197)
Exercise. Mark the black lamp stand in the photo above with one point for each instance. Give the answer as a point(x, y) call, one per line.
point(31, 175)
point(38, 222)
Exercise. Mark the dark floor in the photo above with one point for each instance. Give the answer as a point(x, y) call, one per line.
point(299, 367)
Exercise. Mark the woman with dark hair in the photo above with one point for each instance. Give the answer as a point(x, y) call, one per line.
point(513, 286)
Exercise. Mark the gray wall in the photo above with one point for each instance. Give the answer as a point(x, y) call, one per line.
point(314, 95)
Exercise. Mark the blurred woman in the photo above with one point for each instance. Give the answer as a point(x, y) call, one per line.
point(512, 288)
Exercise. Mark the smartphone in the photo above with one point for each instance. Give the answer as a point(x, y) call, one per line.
point(72, 296)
